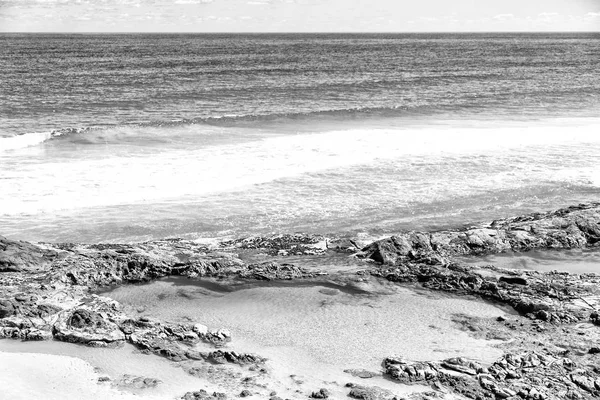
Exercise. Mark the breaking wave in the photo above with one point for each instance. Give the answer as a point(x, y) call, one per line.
point(279, 121)
point(36, 138)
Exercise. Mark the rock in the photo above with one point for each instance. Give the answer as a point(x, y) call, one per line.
point(223, 357)
point(245, 393)
point(513, 280)
point(18, 256)
point(137, 382)
point(7, 308)
point(47, 290)
point(201, 330)
point(321, 394)
point(594, 350)
point(38, 335)
point(86, 326)
point(361, 373)
point(204, 395)
point(573, 227)
point(370, 393)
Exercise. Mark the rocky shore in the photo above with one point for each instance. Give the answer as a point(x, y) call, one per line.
point(49, 291)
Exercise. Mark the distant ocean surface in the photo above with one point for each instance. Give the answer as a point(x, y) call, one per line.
point(139, 137)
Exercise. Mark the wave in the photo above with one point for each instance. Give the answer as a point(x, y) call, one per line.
point(278, 121)
point(36, 138)
point(82, 135)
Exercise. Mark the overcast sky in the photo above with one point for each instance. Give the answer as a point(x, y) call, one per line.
point(298, 15)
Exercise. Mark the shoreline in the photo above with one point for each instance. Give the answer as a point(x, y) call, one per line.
point(48, 293)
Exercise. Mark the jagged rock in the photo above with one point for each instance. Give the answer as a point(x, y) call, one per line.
point(45, 290)
point(17, 256)
point(223, 357)
point(137, 382)
point(573, 227)
point(204, 395)
point(296, 244)
point(86, 326)
point(369, 393)
point(361, 373)
point(7, 308)
point(320, 394)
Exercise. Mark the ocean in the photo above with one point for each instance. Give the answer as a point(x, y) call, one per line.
point(205, 136)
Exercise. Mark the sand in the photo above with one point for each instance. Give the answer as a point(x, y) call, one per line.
point(43, 376)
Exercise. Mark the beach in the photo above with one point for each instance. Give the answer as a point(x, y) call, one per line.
point(437, 327)
point(292, 216)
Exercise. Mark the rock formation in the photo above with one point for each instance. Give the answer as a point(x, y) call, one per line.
point(50, 291)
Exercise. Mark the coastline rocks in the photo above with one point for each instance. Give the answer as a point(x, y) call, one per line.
point(281, 245)
point(568, 228)
point(320, 394)
point(137, 382)
point(46, 291)
point(549, 296)
point(18, 256)
point(369, 393)
point(223, 357)
point(204, 395)
point(87, 326)
point(529, 375)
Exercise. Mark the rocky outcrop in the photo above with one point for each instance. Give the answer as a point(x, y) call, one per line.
point(204, 395)
point(568, 228)
point(47, 291)
point(17, 256)
point(87, 326)
point(281, 245)
point(529, 375)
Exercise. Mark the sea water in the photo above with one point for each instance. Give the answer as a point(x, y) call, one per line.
point(213, 136)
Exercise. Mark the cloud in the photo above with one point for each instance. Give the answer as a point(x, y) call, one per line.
point(548, 14)
point(503, 17)
point(193, 1)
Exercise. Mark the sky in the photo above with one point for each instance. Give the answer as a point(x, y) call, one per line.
point(298, 15)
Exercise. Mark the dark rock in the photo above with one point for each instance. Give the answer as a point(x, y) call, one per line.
point(18, 256)
point(513, 280)
point(82, 318)
point(594, 350)
point(7, 308)
point(321, 394)
point(370, 393)
point(222, 357)
point(245, 393)
point(573, 227)
point(203, 395)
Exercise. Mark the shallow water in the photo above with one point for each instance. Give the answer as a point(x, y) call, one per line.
point(320, 330)
point(577, 261)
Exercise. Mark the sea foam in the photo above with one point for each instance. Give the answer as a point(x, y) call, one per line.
point(104, 177)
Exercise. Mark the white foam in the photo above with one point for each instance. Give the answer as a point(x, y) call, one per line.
point(160, 173)
point(22, 141)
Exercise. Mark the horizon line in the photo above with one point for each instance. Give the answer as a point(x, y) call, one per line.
point(282, 33)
